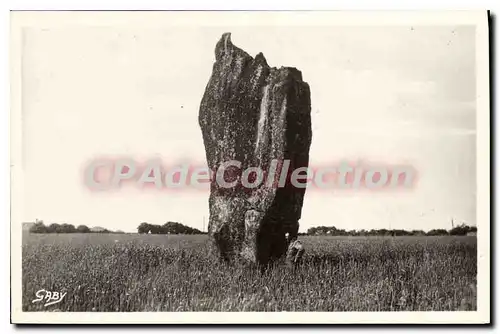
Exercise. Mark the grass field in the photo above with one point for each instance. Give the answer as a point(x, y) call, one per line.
point(128, 272)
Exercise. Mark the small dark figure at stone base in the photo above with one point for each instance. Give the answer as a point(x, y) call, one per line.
point(295, 251)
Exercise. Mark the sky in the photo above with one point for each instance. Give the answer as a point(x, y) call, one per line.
point(394, 94)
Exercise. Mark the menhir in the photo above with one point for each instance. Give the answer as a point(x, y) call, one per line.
point(259, 116)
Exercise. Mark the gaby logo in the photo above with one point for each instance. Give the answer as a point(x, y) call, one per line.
point(108, 174)
point(49, 297)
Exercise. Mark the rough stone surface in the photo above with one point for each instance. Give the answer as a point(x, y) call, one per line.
point(253, 113)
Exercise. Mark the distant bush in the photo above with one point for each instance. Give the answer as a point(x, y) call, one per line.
point(462, 230)
point(333, 231)
point(143, 228)
point(178, 228)
point(68, 228)
point(437, 232)
point(83, 229)
point(167, 228)
point(104, 230)
point(54, 228)
point(38, 227)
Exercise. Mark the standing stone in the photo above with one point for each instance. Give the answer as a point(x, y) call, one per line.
point(261, 117)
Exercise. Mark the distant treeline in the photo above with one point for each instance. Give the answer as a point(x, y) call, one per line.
point(331, 230)
point(167, 228)
point(178, 228)
point(40, 227)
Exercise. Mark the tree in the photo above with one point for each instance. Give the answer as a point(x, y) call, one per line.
point(167, 228)
point(83, 229)
point(68, 228)
point(156, 229)
point(38, 227)
point(418, 232)
point(143, 228)
point(352, 233)
point(437, 232)
point(178, 228)
point(462, 229)
point(54, 228)
point(172, 228)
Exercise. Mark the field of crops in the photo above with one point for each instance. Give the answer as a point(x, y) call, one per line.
point(129, 272)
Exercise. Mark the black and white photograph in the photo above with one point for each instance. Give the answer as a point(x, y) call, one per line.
point(250, 167)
